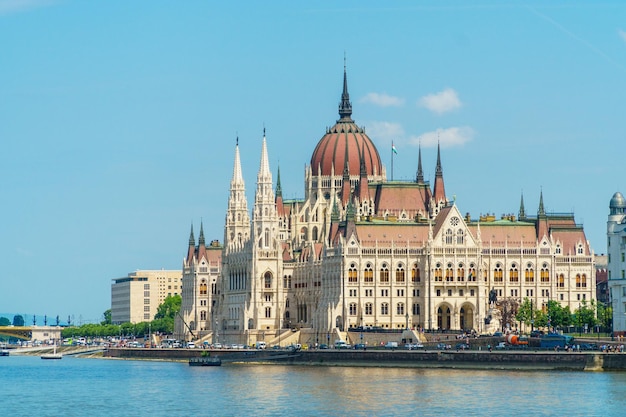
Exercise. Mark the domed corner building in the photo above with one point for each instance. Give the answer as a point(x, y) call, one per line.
point(361, 251)
point(616, 237)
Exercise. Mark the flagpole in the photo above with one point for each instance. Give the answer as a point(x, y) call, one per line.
point(392, 160)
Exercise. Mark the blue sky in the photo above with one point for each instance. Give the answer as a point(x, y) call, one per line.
point(118, 119)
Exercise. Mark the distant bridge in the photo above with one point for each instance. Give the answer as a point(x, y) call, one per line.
point(31, 332)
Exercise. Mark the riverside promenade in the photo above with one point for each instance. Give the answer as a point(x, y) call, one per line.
point(469, 359)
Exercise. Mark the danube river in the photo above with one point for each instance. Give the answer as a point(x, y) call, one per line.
point(73, 386)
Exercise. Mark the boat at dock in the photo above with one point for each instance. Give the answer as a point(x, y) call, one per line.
point(207, 361)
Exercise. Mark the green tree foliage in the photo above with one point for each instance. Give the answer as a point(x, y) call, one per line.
point(4, 321)
point(585, 315)
point(170, 307)
point(605, 315)
point(107, 317)
point(18, 320)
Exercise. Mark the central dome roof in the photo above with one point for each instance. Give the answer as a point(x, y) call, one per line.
point(345, 144)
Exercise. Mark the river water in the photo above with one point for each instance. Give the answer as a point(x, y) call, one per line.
point(74, 386)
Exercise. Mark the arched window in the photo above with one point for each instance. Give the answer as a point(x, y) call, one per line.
point(449, 236)
point(438, 273)
point(268, 279)
point(384, 273)
point(529, 274)
point(353, 309)
point(459, 237)
point(416, 309)
point(400, 309)
point(352, 274)
point(267, 238)
point(545, 273)
point(583, 281)
point(368, 309)
point(384, 309)
point(415, 274)
point(203, 288)
point(513, 274)
point(578, 281)
point(368, 274)
point(561, 282)
point(497, 273)
point(203, 315)
point(460, 273)
point(315, 233)
point(472, 273)
point(400, 274)
point(449, 273)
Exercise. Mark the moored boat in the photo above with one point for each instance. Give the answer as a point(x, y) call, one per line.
point(207, 361)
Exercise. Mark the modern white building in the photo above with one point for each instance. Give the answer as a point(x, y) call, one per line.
point(616, 250)
point(136, 297)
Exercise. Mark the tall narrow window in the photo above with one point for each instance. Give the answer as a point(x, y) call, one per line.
point(529, 274)
point(400, 274)
point(268, 280)
point(352, 274)
point(415, 274)
point(368, 274)
point(384, 273)
point(513, 274)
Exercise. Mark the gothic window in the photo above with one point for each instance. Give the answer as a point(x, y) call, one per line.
point(460, 273)
point(449, 273)
point(449, 236)
point(497, 274)
point(561, 282)
point(529, 274)
point(287, 305)
point(416, 309)
point(368, 275)
point(558, 249)
point(384, 273)
point(459, 237)
point(400, 274)
point(353, 309)
point(368, 309)
point(438, 273)
point(315, 233)
point(580, 249)
point(513, 274)
point(268, 280)
point(415, 274)
point(384, 309)
point(472, 273)
point(545, 273)
point(352, 274)
point(400, 309)
point(203, 288)
point(203, 315)
point(268, 312)
point(583, 281)
point(578, 281)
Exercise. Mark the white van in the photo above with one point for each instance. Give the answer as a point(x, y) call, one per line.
point(391, 345)
point(261, 345)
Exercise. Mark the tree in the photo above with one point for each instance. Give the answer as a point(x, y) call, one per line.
point(585, 315)
point(4, 321)
point(525, 313)
point(508, 308)
point(169, 308)
point(18, 320)
point(107, 317)
point(605, 315)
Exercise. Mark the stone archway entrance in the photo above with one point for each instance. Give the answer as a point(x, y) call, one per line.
point(466, 317)
point(443, 317)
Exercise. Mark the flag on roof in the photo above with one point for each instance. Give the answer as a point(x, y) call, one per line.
point(393, 148)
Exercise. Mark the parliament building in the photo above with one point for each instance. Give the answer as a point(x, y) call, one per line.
point(362, 251)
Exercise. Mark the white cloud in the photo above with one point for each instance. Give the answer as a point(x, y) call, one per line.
point(16, 6)
point(441, 102)
point(384, 131)
point(622, 34)
point(448, 138)
point(382, 100)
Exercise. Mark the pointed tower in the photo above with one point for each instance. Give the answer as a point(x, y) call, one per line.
point(280, 208)
point(192, 247)
point(419, 178)
point(439, 192)
point(201, 244)
point(363, 193)
point(265, 217)
point(522, 212)
point(345, 185)
point(542, 219)
point(345, 107)
point(237, 228)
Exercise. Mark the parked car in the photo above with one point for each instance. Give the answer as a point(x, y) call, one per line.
point(360, 346)
point(462, 346)
point(391, 345)
point(443, 346)
point(323, 346)
point(413, 346)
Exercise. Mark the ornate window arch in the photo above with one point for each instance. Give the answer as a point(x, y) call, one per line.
point(400, 275)
point(513, 274)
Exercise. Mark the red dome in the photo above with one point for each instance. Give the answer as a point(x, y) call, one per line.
point(345, 142)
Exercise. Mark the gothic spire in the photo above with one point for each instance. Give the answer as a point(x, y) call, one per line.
point(237, 176)
point(201, 237)
point(192, 239)
point(420, 172)
point(279, 190)
point(264, 168)
point(438, 170)
point(541, 211)
point(345, 107)
point(522, 212)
